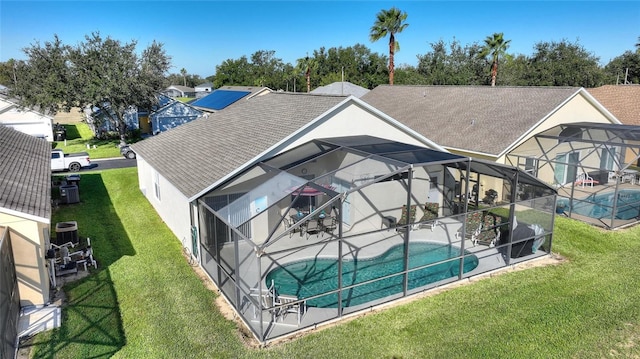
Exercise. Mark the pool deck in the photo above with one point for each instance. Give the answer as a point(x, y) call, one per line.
point(364, 246)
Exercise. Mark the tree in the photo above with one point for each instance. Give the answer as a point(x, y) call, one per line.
point(389, 22)
point(624, 69)
point(307, 65)
point(183, 72)
point(494, 47)
point(564, 64)
point(99, 72)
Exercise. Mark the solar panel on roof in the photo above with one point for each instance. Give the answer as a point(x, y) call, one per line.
point(220, 99)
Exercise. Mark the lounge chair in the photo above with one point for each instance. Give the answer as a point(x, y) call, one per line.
point(407, 217)
point(429, 219)
point(490, 231)
point(472, 227)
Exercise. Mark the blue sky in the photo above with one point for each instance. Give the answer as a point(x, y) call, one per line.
point(199, 35)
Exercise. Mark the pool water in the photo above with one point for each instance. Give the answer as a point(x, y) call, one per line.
point(311, 277)
point(601, 205)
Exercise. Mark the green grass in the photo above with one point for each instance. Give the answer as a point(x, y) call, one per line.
point(79, 135)
point(145, 301)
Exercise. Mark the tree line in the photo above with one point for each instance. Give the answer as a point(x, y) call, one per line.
point(110, 75)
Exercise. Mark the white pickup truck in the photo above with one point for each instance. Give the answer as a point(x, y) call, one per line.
point(61, 161)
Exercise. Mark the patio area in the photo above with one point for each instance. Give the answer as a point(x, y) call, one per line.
point(338, 226)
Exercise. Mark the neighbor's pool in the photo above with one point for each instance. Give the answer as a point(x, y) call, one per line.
point(601, 205)
point(311, 277)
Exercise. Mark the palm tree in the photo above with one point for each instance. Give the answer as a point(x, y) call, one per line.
point(389, 22)
point(183, 72)
point(494, 46)
point(307, 65)
point(638, 45)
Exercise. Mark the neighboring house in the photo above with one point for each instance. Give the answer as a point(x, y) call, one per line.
point(172, 114)
point(341, 88)
point(25, 217)
point(226, 96)
point(486, 122)
point(204, 89)
point(25, 120)
point(623, 101)
point(100, 123)
point(592, 165)
point(179, 91)
point(258, 192)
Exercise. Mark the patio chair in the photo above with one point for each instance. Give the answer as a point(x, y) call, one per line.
point(329, 224)
point(407, 217)
point(429, 219)
point(290, 304)
point(313, 227)
point(267, 298)
point(490, 233)
point(584, 179)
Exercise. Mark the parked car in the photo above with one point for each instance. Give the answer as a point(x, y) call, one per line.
point(73, 162)
point(127, 152)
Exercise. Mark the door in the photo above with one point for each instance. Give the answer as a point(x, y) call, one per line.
point(566, 167)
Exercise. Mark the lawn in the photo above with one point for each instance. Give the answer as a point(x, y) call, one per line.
point(145, 301)
point(79, 136)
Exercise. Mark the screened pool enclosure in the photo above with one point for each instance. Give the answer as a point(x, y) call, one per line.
point(594, 168)
point(340, 225)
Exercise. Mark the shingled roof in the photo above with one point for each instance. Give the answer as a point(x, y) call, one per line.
point(195, 155)
point(25, 175)
point(623, 101)
point(481, 119)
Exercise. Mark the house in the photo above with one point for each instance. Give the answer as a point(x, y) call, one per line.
point(26, 120)
point(179, 91)
point(171, 114)
point(487, 122)
point(204, 89)
point(25, 215)
point(623, 101)
point(101, 123)
point(342, 88)
point(288, 186)
point(226, 96)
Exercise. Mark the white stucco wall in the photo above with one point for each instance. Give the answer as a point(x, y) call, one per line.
point(172, 206)
point(355, 120)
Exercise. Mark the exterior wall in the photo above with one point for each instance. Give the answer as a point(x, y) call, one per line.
point(576, 110)
point(29, 247)
point(172, 206)
point(353, 121)
point(29, 122)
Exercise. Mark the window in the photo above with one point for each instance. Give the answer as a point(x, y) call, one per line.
point(156, 185)
point(608, 158)
point(531, 166)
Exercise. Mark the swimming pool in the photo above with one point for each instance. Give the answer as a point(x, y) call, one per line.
point(600, 205)
point(311, 277)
